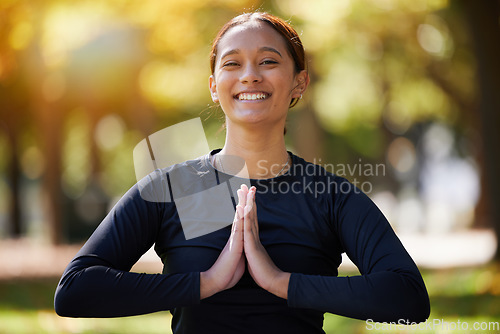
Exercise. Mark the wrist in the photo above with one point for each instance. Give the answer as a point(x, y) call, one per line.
point(207, 287)
point(280, 285)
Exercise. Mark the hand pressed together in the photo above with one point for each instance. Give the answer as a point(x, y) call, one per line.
point(244, 242)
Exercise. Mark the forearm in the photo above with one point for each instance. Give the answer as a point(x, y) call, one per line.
point(382, 296)
point(100, 291)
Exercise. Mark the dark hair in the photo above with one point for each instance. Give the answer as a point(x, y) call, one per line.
point(292, 40)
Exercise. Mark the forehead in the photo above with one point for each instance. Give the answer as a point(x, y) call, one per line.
point(251, 36)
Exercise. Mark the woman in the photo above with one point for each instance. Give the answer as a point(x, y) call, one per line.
point(275, 269)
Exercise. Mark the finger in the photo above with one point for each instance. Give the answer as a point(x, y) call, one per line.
point(250, 202)
point(251, 213)
point(240, 210)
point(242, 197)
point(249, 219)
point(254, 204)
point(244, 189)
point(250, 197)
point(237, 229)
point(242, 194)
point(247, 209)
point(237, 215)
point(241, 204)
point(238, 219)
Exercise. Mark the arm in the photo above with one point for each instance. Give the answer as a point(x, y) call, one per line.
point(390, 286)
point(97, 282)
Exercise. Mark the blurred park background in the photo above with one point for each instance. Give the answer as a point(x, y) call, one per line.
point(410, 85)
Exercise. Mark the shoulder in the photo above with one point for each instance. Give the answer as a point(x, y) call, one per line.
point(158, 185)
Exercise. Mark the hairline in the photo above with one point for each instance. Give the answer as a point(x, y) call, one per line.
point(258, 19)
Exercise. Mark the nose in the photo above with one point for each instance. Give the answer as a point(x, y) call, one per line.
point(250, 74)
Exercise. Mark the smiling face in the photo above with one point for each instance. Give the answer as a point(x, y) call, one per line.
point(254, 77)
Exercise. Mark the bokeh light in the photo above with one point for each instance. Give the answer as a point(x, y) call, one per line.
point(393, 82)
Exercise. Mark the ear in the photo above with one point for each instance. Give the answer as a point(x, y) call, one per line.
point(213, 89)
point(301, 83)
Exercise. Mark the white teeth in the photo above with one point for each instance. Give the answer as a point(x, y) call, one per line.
point(247, 96)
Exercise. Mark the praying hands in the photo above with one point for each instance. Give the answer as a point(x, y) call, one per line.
point(244, 242)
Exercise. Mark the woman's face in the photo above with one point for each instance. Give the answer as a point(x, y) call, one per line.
point(254, 78)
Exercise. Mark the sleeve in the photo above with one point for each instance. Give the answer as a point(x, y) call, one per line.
point(97, 282)
point(390, 287)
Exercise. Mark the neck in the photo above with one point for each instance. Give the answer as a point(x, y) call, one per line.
point(263, 150)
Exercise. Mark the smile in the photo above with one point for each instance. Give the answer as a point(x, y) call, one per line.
point(252, 96)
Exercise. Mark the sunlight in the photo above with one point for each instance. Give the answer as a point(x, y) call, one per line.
point(68, 27)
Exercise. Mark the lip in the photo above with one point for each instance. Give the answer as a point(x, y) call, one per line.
point(252, 96)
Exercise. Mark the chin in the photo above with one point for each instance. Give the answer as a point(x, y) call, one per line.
point(251, 115)
point(255, 113)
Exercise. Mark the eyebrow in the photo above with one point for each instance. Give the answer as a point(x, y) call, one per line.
point(262, 49)
point(270, 49)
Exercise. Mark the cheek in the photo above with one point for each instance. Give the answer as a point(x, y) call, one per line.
point(224, 83)
point(286, 83)
point(286, 77)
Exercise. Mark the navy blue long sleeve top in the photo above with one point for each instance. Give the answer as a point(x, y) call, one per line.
point(307, 218)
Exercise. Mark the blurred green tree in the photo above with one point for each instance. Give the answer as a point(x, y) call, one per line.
point(81, 83)
point(483, 21)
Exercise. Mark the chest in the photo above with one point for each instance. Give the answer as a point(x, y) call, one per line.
point(296, 231)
